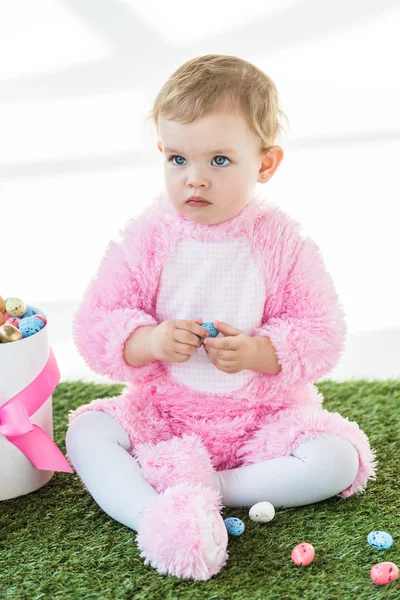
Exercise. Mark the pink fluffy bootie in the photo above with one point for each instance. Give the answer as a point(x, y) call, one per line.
point(182, 532)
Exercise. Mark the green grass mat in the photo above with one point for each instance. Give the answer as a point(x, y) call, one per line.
point(57, 543)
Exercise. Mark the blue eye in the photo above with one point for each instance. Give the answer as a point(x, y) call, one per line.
point(179, 165)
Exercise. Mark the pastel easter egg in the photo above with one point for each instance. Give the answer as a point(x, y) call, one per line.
point(384, 572)
point(30, 326)
point(209, 325)
point(303, 554)
point(44, 321)
point(2, 305)
point(381, 540)
point(6, 316)
point(9, 333)
point(262, 512)
point(39, 321)
point(15, 307)
point(29, 312)
point(234, 526)
point(13, 321)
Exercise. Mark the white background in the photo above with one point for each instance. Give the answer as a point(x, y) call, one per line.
point(77, 159)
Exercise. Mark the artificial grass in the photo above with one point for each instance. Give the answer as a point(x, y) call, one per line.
point(58, 543)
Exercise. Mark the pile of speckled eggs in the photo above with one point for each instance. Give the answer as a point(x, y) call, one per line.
point(18, 320)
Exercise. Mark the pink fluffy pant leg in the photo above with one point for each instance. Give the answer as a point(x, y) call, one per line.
point(101, 451)
point(180, 459)
point(181, 470)
point(296, 458)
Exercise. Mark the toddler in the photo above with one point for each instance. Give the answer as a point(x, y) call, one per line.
point(207, 422)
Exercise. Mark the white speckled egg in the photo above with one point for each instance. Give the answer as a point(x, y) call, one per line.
point(15, 307)
point(262, 512)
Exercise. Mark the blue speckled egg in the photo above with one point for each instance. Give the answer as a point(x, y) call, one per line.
point(30, 326)
point(29, 312)
point(209, 325)
point(381, 540)
point(234, 526)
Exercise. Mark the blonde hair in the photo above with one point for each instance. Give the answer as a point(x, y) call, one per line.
point(217, 82)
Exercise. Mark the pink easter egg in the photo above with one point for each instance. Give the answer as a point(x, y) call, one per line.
point(41, 318)
point(303, 554)
point(384, 572)
point(13, 321)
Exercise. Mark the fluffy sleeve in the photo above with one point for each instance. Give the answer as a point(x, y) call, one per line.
point(309, 332)
point(114, 304)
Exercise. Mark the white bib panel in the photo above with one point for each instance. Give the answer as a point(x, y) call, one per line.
point(213, 280)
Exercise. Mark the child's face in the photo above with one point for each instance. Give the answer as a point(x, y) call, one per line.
point(216, 157)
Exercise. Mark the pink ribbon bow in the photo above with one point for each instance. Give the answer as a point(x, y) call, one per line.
point(17, 427)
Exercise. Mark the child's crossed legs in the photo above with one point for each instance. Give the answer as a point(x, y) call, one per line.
point(98, 447)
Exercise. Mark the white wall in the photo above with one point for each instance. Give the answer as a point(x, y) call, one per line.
point(76, 160)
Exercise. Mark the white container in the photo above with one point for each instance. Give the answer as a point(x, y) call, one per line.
point(20, 363)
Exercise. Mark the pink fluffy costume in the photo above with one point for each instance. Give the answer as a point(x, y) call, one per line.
point(185, 420)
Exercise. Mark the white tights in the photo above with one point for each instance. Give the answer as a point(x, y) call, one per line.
point(98, 447)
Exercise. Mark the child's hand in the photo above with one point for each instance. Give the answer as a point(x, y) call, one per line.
point(231, 353)
point(176, 340)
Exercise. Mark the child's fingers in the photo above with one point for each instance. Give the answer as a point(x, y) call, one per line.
point(201, 331)
point(195, 330)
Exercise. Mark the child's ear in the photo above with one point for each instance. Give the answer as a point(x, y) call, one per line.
point(270, 162)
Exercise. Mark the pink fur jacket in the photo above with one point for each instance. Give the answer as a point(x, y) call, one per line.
point(255, 272)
